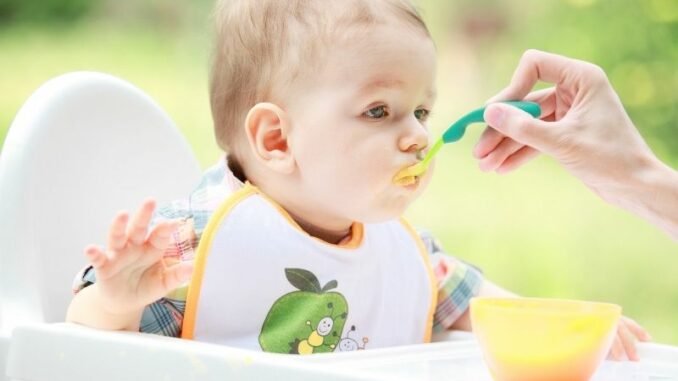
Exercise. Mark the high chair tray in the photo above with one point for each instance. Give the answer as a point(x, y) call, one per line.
point(63, 351)
point(457, 361)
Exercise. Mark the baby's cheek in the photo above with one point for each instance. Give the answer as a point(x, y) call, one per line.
point(426, 179)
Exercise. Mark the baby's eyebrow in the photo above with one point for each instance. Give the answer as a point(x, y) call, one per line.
point(389, 83)
point(381, 83)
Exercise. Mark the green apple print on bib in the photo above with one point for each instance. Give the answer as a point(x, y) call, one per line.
point(306, 321)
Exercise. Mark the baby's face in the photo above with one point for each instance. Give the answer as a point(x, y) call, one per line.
point(362, 121)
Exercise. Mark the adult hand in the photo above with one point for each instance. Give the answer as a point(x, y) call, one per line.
point(586, 129)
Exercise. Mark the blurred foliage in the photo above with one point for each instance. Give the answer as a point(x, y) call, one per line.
point(154, 14)
point(537, 232)
point(43, 11)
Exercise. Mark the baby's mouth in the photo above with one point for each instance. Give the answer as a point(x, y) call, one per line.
point(409, 175)
point(406, 181)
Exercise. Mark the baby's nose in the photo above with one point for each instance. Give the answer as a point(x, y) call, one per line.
point(414, 139)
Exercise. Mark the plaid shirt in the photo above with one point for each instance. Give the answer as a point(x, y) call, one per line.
point(457, 281)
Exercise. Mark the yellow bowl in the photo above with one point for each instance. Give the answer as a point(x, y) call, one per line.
point(531, 339)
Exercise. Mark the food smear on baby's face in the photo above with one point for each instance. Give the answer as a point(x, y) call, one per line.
point(408, 175)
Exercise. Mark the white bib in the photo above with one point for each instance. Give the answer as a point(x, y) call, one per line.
point(261, 282)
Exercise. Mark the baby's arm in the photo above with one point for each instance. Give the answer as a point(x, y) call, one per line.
point(130, 274)
point(487, 288)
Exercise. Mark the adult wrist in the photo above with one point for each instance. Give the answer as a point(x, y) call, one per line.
point(655, 195)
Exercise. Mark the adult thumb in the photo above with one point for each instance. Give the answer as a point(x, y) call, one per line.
point(521, 126)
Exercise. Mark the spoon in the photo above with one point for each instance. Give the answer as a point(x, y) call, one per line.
point(455, 132)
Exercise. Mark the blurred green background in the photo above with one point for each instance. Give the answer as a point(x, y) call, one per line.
point(537, 232)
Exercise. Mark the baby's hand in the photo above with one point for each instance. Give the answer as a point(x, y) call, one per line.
point(132, 273)
point(628, 333)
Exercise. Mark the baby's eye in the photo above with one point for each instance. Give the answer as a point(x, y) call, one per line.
point(421, 114)
point(376, 112)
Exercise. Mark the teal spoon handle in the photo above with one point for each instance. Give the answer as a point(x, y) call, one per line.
point(457, 130)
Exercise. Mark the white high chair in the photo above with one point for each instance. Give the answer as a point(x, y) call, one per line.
point(84, 146)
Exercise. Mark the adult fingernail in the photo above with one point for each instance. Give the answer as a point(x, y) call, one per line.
point(494, 115)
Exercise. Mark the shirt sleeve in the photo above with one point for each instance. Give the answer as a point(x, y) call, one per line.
point(458, 282)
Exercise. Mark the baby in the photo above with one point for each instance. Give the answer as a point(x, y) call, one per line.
point(295, 241)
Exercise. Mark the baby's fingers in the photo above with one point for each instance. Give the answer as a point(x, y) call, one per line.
point(176, 275)
point(617, 350)
point(636, 329)
point(104, 266)
point(138, 228)
point(160, 236)
point(97, 258)
point(628, 342)
point(160, 279)
point(117, 239)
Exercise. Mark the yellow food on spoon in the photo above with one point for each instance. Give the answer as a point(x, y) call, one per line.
point(409, 175)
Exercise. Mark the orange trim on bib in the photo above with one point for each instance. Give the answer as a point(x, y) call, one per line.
point(432, 278)
point(192, 299)
point(188, 325)
point(357, 228)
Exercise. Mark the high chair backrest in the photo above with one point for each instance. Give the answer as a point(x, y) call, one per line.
point(82, 147)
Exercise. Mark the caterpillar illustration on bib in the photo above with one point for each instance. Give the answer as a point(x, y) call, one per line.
point(310, 320)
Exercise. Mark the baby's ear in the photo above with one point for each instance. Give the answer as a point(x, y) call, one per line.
point(267, 127)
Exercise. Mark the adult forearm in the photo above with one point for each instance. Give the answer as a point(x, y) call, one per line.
point(89, 309)
point(654, 196)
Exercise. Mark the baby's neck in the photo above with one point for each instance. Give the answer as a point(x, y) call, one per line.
point(336, 236)
point(330, 230)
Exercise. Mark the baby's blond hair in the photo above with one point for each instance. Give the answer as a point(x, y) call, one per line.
point(263, 47)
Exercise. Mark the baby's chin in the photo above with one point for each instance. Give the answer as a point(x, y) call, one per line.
point(384, 207)
point(386, 213)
